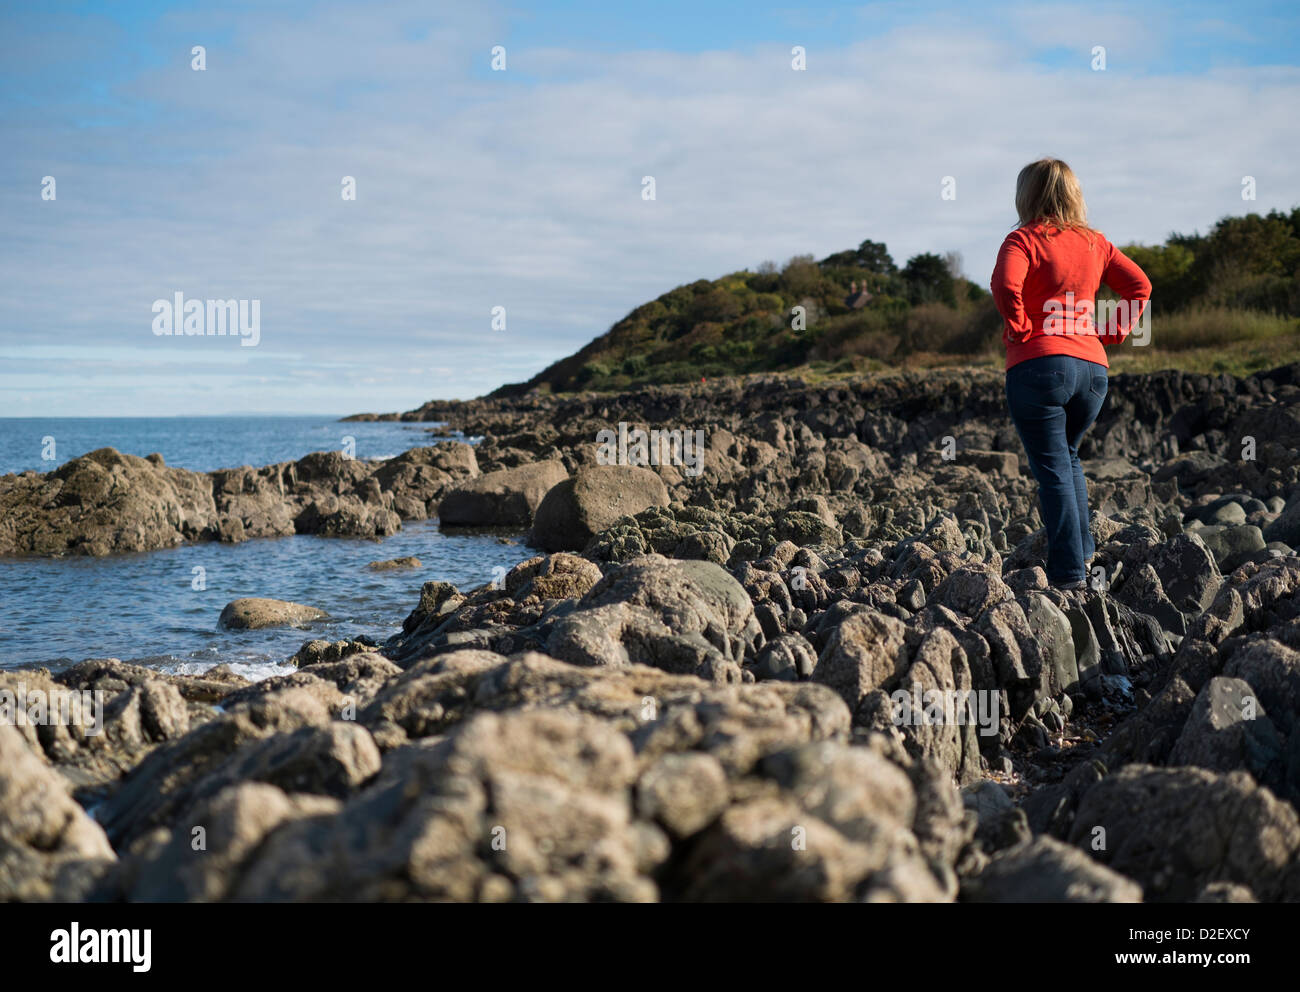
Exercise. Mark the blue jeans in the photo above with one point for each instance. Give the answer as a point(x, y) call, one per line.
point(1053, 400)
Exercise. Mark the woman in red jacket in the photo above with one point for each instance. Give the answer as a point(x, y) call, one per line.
point(1045, 286)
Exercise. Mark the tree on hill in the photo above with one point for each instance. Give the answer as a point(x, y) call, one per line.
point(872, 256)
point(929, 280)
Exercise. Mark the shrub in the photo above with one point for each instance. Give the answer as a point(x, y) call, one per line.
point(715, 305)
point(801, 276)
point(932, 327)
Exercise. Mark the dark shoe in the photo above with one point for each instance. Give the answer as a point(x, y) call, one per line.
point(1069, 586)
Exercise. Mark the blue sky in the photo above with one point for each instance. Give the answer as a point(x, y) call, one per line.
point(522, 189)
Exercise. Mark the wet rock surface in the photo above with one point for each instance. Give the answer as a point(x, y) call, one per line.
point(504, 498)
point(254, 613)
point(827, 667)
point(106, 502)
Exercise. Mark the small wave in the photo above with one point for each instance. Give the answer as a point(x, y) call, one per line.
point(255, 669)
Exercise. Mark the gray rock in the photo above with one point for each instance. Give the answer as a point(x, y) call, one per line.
point(317, 652)
point(1174, 831)
point(912, 596)
point(1142, 591)
point(803, 528)
point(577, 509)
point(1187, 571)
point(506, 498)
point(1286, 528)
point(683, 792)
point(1004, 463)
point(1046, 870)
point(866, 652)
point(1026, 579)
point(1232, 547)
point(1055, 636)
point(170, 779)
point(558, 576)
point(1016, 655)
point(1087, 651)
point(1228, 514)
point(43, 832)
point(987, 799)
point(1109, 468)
point(254, 613)
point(104, 503)
point(233, 824)
point(789, 657)
point(1229, 729)
point(394, 564)
point(1051, 810)
point(1272, 671)
point(970, 591)
point(999, 823)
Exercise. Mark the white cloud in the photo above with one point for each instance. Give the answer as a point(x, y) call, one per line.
point(477, 189)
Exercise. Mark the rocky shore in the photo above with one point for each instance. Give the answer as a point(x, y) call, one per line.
point(106, 502)
point(714, 686)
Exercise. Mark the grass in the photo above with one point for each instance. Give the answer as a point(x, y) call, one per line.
point(1213, 340)
point(1210, 327)
point(1206, 341)
point(1240, 358)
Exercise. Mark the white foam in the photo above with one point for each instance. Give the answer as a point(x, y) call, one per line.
point(255, 670)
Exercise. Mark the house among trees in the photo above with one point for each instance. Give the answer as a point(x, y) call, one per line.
point(857, 298)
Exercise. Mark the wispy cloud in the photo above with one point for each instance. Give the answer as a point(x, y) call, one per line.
point(522, 189)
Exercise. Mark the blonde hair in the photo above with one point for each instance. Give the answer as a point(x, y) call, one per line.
point(1048, 192)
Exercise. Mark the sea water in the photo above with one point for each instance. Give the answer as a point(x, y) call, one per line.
point(160, 608)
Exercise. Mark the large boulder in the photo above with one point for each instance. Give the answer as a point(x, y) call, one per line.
point(847, 825)
point(1056, 641)
point(253, 613)
point(236, 821)
point(1286, 528)
point(1174, 831)
point(106, 502)
point(868, 651)
point(681, 616)
point(683, 792)
point(1143, 591)
point(971, 590)
point(1234, 546)
point(103, 503)
point(506, 498)
point(737, 724)
point(418, 478)
point(1046, 870)
point(558, 576)
point(45, 837)
point(174, 776)
point(577, 509)
point(1188, 572)
point(1228, 729)
point(529, 806)
point(688, 596)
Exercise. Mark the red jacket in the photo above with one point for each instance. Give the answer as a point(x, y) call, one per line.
point(1045, 286)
